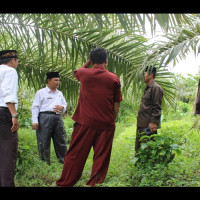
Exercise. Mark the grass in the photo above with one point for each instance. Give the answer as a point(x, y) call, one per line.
point(183, 171)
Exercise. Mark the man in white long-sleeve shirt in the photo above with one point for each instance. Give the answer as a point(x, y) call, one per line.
point(47, 107)
point(8, 116)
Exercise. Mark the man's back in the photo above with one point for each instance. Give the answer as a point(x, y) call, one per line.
point(99, 90)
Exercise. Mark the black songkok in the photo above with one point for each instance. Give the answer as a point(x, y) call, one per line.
point(8, 54)
point(52, 75)
point(150, 69)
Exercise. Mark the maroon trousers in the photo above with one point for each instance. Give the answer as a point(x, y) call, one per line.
point(83, 138)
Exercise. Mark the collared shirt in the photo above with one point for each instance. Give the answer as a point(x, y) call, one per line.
point(8, 85)
point(46, 100)
point(99, 90)
point(150, 107)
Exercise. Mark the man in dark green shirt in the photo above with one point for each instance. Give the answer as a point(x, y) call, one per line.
point(150, 108)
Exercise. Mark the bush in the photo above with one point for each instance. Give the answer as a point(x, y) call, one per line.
point(30, 170)
point(156, 151)
point(182, 110)
point(127, 113)
point(69, 126)
point(184, 107)
point(25, 97)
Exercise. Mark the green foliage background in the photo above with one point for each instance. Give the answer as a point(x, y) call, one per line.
point(62, 42)
point(182, 171)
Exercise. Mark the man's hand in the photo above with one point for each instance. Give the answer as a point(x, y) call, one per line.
point(153, 127)
point(58, 108)
point(116, 108)
point(87, 64)
point(35, 126)
point(15, 124)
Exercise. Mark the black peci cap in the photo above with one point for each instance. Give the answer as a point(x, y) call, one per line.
point(8, 54)
point(52, 75)
point(150, 69)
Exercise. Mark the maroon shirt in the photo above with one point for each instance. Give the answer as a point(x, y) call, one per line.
point(99, 90)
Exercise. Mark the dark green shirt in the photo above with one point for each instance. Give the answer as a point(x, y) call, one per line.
point(150, 107)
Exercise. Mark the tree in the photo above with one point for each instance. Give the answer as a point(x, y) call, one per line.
point(186, 87)
point(62, 42)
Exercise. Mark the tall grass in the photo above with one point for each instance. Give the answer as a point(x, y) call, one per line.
point(182, 171)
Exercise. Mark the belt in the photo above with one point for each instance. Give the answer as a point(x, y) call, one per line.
point(4, 108)
point(50, 112)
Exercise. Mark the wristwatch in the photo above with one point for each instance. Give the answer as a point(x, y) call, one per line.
point(16, 115)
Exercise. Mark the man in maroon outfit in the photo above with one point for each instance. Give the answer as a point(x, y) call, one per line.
point(95, 115)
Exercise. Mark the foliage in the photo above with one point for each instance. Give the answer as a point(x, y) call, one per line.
point(69, 126)
point(182, 171)
point(183, 106)
point(31, 171)
point(184, 39)
point(25, 97)
point(156, 151)
point(196, 124)
point(184, 96)
point(126, 112)
point(62, 42)
point(182, 110)
point(186, 87)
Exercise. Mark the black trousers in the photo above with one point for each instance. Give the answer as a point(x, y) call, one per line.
point(51, 126)
point(8, 149)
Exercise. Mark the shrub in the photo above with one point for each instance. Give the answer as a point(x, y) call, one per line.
point(127, 113)
point(25, 98)
point(156, 151)
point(184, 107)
point(69, 126)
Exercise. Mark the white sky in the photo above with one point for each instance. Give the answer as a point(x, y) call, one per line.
point(191, 65)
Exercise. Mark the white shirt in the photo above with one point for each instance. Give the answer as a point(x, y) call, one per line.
point(8, 85)
point(46, 100)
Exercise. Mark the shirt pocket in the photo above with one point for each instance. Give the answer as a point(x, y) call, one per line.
point(146, 99)
point(49, 98)
point(147, 94)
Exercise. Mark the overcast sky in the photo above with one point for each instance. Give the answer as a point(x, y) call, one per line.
point(191, 65)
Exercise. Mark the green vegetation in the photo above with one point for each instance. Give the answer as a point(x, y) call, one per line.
point(62, 42)
point(183, 170)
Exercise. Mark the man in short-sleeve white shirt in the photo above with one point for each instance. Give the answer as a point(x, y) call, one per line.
point(8, 116)
point(47, 107)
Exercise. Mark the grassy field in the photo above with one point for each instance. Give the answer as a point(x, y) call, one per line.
point(183, 171)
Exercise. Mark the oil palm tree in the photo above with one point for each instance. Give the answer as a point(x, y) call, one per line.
point(62, 42)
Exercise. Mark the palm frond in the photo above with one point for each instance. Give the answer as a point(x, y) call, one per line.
point(62, 42)
point(177, 47)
